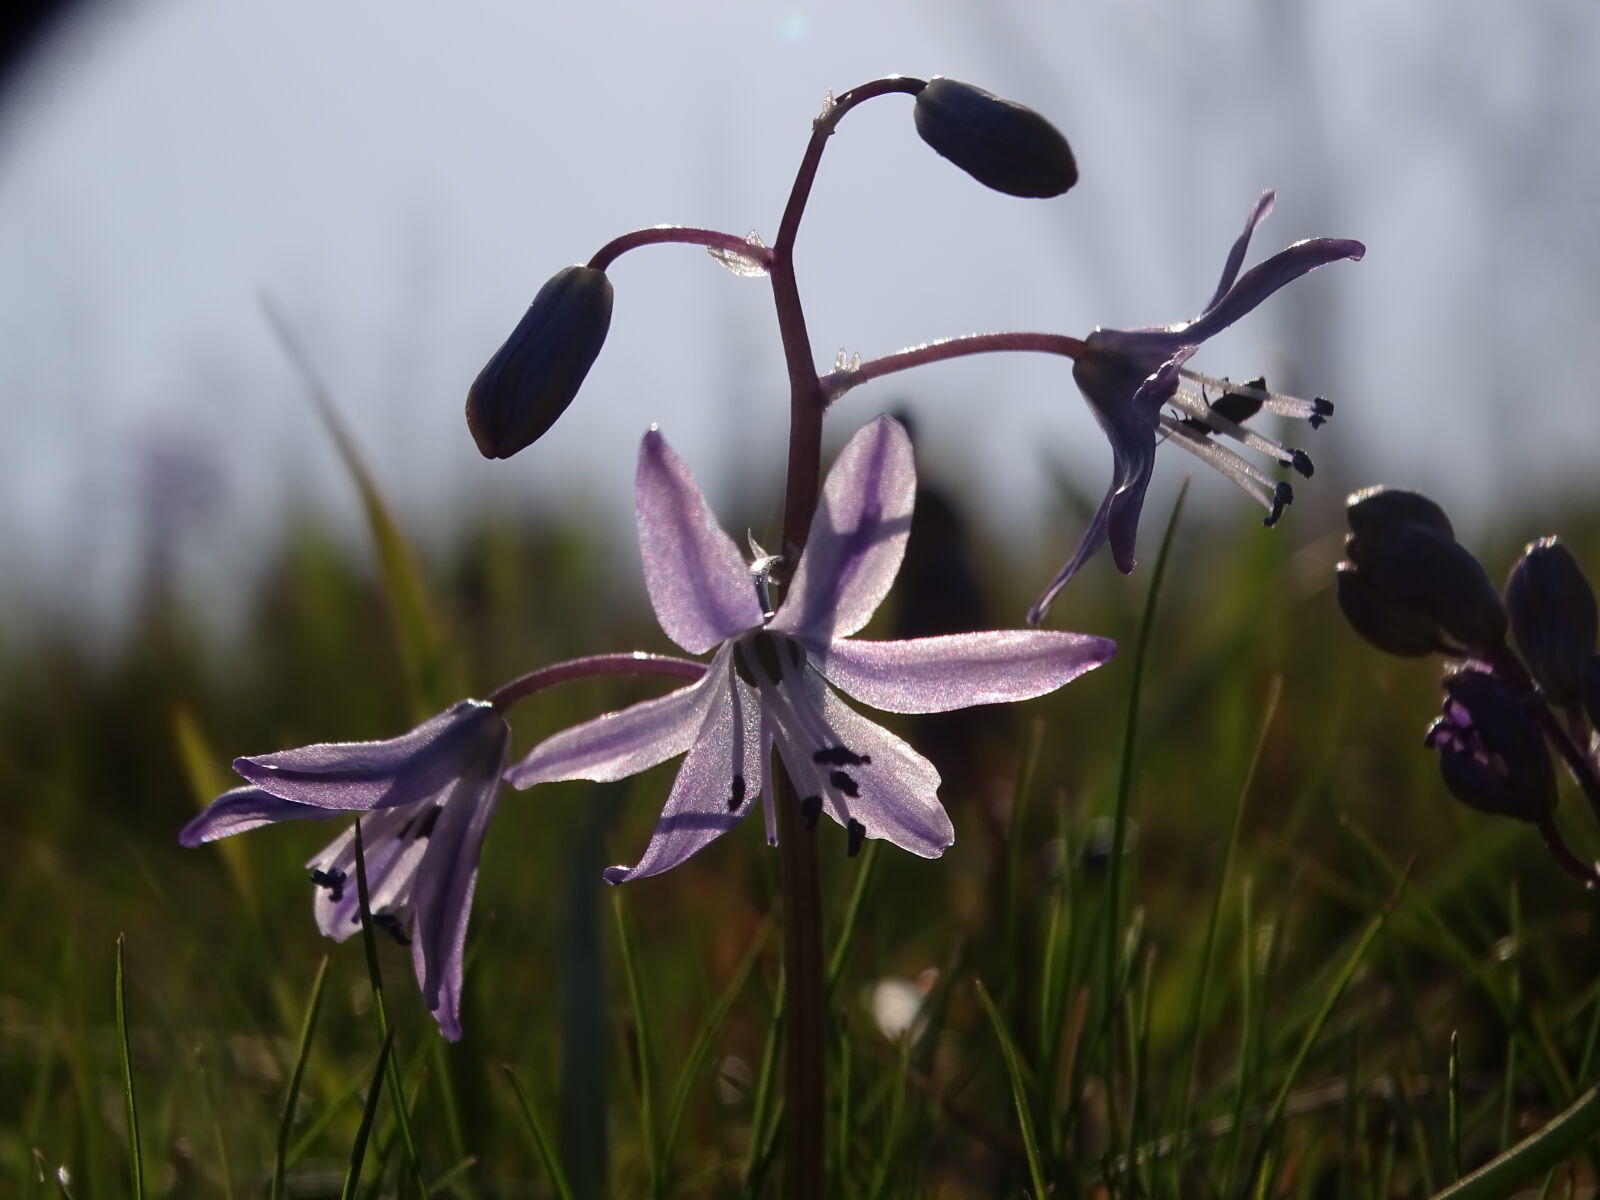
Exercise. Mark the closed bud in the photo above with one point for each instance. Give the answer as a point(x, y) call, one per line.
point(1001, 144)
point(1589, 687)
point(1436, 577)
point(534, 376)
point(1491, 753)
point(1375, 509)
point(1552, 617)
point(1382, 620)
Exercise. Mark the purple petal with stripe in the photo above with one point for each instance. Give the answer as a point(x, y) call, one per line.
point(1230, 269)
point(716, 786)
point(353, 776)
point(937, 674)
point(699, 584)
point(1265, 278)
point(627, 741)
point(243, 809)
point(857, 539)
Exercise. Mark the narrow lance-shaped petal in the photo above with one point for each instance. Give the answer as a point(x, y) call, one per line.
point(699, 585)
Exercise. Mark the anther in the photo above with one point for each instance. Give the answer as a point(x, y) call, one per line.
point(737, 797)
point(844, 783)
point(811, 809)
point(857, 833)
point(1321, 410)
point(840, 756)
point(1301, 461)
point(333, 880)
point(1282, 497)
point(390, 924)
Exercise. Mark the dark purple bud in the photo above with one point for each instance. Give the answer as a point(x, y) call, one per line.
point(534, 376)
point(1437, 578)
point(1382, 620)
point(1589, 687)
point(1552, 617)
point(1491, 753)
point(1374, 509)
point(999, 143)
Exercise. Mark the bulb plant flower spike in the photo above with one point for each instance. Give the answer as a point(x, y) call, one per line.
point(770, 686)
point(426, 797)
point(1131, 376)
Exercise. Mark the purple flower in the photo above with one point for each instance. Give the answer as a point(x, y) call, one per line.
point(768, 687)
point(428, 796)
point(1129, 376)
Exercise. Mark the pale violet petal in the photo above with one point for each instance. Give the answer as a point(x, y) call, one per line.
point(857, 539)
point(392, 852)
point(242, 809)
point(716, 786)
point(698, 582)
point(898, 789)
point(354, 776)
point(937, 674)
point(442, 896)
point(627, 741)
point(1230, 268)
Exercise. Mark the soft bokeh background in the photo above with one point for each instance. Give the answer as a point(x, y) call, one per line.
point(401, 179)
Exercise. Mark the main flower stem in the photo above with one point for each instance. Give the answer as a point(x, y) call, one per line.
point(803, 974)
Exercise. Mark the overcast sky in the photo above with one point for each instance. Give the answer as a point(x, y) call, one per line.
point(401, 178)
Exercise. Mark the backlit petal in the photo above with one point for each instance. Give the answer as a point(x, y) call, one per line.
point(1230, 269)
point(857, 539)
point(716, 786)
point(370, 775)
point(1261, 280)
point(242, 809)
point(625, 742)
point(937, 674)
point(698, 582)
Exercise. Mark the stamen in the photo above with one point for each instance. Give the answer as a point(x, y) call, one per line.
point(1242, 471)
point(737, 798)
point(390, 924)
point(811, 809)
point(840, 756)
point(1282, 497)
point(332, 879)
point(845, 784)
point(857, 833)
point(1321, 410)
point(1302, 463)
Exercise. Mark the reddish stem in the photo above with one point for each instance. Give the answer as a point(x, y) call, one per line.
point(637, 663)
point(837, 382)
point(657, 234)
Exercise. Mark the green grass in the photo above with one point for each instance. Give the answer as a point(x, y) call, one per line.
point(1263, 1011)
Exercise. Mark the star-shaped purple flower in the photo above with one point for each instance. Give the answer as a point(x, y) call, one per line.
point(770, 685)
point(428, 796)
point(1129, 376)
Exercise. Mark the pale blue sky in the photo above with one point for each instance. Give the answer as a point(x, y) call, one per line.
point(402, 177)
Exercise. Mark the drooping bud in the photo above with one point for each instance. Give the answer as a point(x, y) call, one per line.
point(1001, 144)
point(1438, 578)
point(1552, 617)
point(533, 377)
point(1589, 687)
point(1491, 753)
point(1376, 509)
point(1381, 619)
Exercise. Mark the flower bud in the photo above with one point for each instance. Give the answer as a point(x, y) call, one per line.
point(1437, 578)
point(1375, 509)
point(1491, 753)
point(1589, 687)
point(1382, 620)
point(1001, 144)
point(1552, 617)
point(534, 376)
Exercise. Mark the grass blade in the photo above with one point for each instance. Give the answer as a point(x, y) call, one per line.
point(1202, 989)
point(135, 1155)
point(369, 1111)
point(423, 648)
point(701, 1048)
point(852, 914)
point(1019, 1092)
point(541, 1139)
point(375, 976)
point(641, 1037)
point(1566, 1134)
point(291, 1096)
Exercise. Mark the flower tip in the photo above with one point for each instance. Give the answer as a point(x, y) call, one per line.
point(616, 875)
